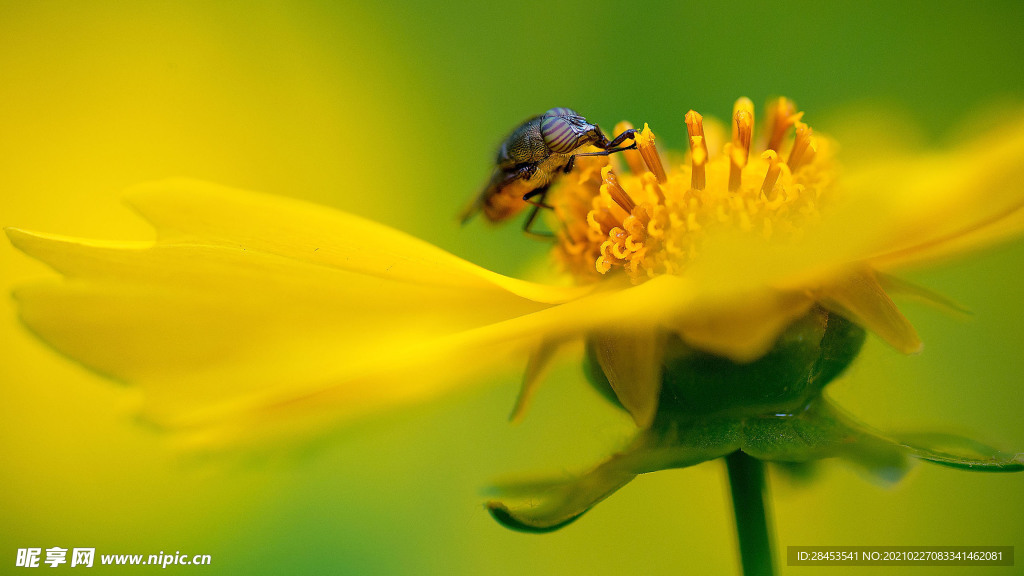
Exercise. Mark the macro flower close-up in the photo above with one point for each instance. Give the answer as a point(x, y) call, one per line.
point(715, 298)
point(294, 340)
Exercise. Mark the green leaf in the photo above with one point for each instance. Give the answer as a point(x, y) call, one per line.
point(546, 505)
point(814, 432)
point(820, 431)
point(959, 452)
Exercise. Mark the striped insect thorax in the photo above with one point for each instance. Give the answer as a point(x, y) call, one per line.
point(564, 130)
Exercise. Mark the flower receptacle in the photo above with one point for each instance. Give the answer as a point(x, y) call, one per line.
point(808, 355)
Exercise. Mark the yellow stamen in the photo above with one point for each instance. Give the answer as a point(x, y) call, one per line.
point(742, 130)
point(774, 169)
point(632, 157)
point(781, 116)
point(698, 149)
point(804, 147)
point(645, 143)
point(650, 182)
point(602, 220)
point(642, 225)
point(612, 188)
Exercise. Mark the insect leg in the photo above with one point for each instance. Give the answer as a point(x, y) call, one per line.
point(542, 192)
point(608, 147)
point(626, 135)
point(604, 143)
point(537, 205)
point(608, 152)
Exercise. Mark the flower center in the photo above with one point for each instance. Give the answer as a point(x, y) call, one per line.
point(649, 221)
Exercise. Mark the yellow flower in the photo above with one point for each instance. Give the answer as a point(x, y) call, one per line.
point(752, 238)
point(253, 317)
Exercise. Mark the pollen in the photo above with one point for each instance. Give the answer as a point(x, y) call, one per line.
point(642, 217)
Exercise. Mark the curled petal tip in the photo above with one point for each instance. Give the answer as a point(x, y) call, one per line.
point(16, 235)
point(522, 523)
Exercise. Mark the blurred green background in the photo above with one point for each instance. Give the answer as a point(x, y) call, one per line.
point(393, 111)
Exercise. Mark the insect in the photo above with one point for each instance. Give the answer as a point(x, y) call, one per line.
point(532, 157)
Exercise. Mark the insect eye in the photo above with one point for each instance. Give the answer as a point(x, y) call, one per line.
point(561, 112)
point(559, 134)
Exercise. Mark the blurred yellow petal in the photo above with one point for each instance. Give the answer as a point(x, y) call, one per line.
point(900, 287)
point(859, 297)
point(742, 328)
point(631, 361)
point(188, 210)
point(248, 328)
point(540, 360)
point(202, 301)
point(213, 319)
point(908, 210)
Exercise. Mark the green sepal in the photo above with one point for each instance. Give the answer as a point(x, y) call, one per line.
point(546, 505)
point(809, 354)
point(959, 452)
point(820, 431)
point(595, 376)
point(773, 409)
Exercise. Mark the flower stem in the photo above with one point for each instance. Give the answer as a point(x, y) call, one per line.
point(747, 482)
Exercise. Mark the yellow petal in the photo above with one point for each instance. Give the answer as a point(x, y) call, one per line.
point(189, 210)
point(915, 210)
point(540, 360)
point(226, 317)
point(901, 287)
point(631, 360)
point(896, 212)
point(449, 359)
point(164, 300)
point(742, 328)
point(859, 297)
point(240, 326)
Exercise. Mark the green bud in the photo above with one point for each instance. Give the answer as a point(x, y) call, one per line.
point(809, 354)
